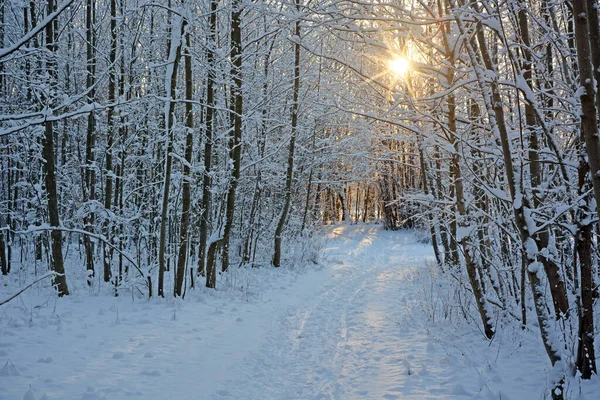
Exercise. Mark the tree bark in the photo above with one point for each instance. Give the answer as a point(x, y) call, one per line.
point(189, 143)
point(110, 122)
point(235, 140)
point(292, 145)
point(89, 189)
point(205, 215)
point(171, 84)
point(558, 289)
point(49, 167)
point(584, 14)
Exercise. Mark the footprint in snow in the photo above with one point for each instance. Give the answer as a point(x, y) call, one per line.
point(9, 369)
point(151, 372)
point(117, 355)
point(91, 394)
point(224, 393)
point(45, 360)
point(430, 347)
point(29, 395)
point(148, 355)
point(407, 366)
point(460, 390)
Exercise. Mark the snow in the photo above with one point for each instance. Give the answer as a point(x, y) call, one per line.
point(492, 23)
point(375, 319)
point(464, 231)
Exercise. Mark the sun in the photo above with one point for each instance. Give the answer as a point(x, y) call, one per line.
point(399, 66)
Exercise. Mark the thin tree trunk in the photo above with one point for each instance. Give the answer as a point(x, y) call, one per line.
point(586, 360)
point(542, 238)
point(171, 85)
point(460, 219)
point(186, 192)
point(90, 172)
point(292, 145)
point(208, 144)
point(110, 122)
point(434, 241)
point(585, 14)
point(3, 258)
point(235, 140)
point(592, 8)
point(465, 240)
point(48, 152)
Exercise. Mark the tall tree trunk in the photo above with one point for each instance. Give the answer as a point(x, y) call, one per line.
point(582, 12)
point(171, 86)
point(592, 9)
point(235, 138)
point(205, 216)
point(557, 286)
point(3, 223)
point(292, 145)
point(49, 168)
point(256, 197)
point(465, 240)
point(586, 359)
point(90, 172)
point(110, 122)
point(186, 193)
point(3, 257)
point(425, 187)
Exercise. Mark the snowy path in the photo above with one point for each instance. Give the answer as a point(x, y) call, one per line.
point(348, 342)
point(345, 330)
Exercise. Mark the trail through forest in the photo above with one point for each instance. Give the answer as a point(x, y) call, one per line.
point(354, 327)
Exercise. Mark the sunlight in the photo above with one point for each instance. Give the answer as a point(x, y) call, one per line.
point(400, 66)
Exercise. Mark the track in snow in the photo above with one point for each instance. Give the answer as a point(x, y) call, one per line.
point(352, 339)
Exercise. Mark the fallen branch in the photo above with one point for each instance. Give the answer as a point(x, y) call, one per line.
point(48, 275)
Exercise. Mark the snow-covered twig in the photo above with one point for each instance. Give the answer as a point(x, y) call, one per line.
point(41, 278)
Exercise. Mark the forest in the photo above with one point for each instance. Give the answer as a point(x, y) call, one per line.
point(149, 147)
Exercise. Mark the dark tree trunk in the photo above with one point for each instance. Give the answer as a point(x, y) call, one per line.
point(49, 168)
point(112, 97)
point(89, 189)
point(205, 215)
point(186, 192)
point(169, 120)
point(235, 140)
point(292, 145)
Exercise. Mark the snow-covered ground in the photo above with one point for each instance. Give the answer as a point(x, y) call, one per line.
point(361, 325)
